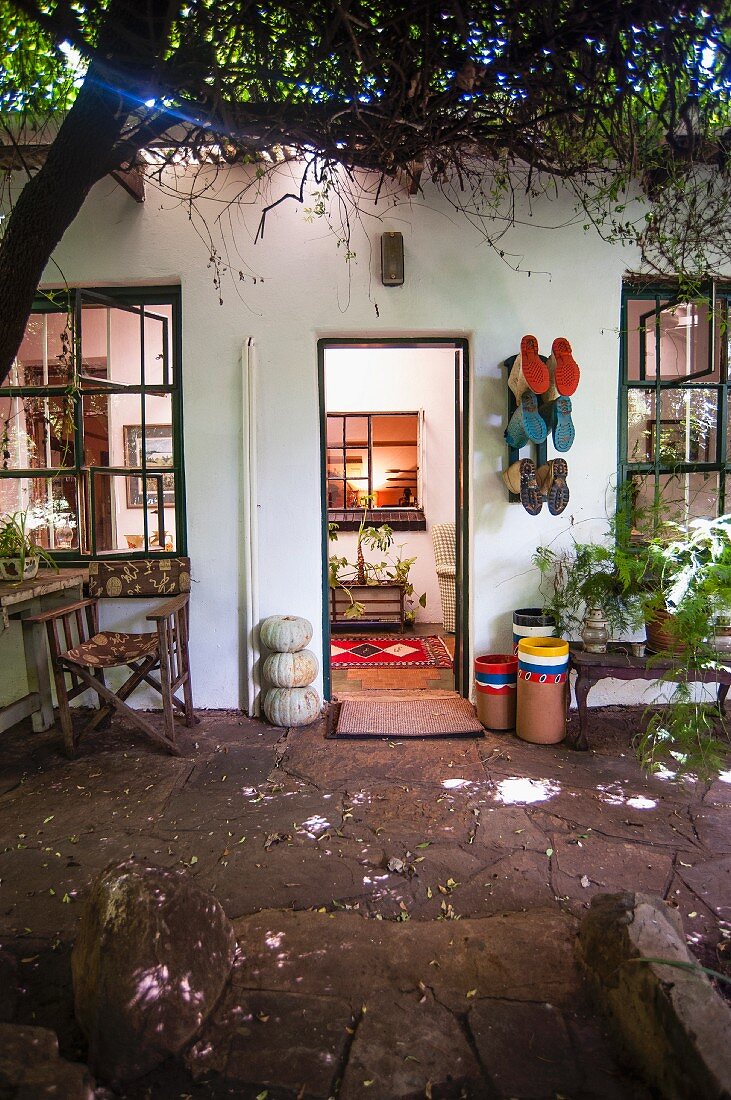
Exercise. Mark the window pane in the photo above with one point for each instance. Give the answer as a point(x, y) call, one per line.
point(120, 507)
point(640, 425)
point(36, 433)
point(689, 496)
point(334, 430)
point(688, 421)
point(111, 346)
point(684, 340)
point(44, 356)
point(356, 493)
point(335, 462)
point(356, 430)
point(51, 505)
point(683, 497)
point(158, 345)
point(395, 460)
point(336, 494)
point(101, 414)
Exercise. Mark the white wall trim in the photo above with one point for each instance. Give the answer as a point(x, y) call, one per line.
point(249, 612)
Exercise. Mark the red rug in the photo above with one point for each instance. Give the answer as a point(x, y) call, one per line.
point(389, 651)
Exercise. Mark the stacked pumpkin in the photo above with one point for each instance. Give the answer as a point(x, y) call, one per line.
point(290, 669)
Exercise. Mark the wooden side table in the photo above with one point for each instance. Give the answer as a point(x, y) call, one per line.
point(620, 664)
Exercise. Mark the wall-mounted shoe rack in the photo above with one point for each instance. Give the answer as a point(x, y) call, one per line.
point(541, 449)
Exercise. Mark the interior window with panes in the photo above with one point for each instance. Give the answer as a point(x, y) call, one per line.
point(674, 402)
point(90, 425)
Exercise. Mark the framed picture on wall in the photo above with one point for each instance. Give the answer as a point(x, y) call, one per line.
point(158, 453)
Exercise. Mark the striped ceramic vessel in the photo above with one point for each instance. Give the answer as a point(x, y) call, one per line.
point(543, 665)
point(496, 676)
point(532, 622)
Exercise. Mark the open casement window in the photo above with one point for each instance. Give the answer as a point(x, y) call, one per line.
point(91, 428)
point(674, 453)
point(375, 459)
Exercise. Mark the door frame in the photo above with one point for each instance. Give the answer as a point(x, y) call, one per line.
point(461, 394)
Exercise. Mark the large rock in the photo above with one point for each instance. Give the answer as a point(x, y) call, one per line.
point(670, 1022)
point(30, 1067)
point(153, 955)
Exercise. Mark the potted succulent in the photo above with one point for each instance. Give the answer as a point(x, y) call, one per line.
point(20, 555)
point(353, 579)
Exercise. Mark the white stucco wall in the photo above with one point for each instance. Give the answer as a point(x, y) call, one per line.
point(455, 286)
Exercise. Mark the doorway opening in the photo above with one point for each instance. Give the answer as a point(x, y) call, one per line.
point(393, 418)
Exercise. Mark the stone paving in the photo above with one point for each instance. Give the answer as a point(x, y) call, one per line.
point(406, 911)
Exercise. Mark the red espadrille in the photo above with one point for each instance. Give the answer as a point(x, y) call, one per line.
point(563, 366)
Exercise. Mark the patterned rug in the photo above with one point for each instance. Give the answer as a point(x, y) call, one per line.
point(429, 717)
point(389, 651)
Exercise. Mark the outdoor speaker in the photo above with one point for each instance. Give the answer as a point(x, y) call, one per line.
point(392, 259)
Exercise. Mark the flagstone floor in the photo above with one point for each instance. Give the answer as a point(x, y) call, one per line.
point(355, 680)
point(406, 912)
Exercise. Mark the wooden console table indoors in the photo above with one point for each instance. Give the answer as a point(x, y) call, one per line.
point(17, 601)
point(620, 664)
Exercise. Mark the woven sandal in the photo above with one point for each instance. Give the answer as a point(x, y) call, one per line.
point(528, 371)
point(530, 494)
point(534, 425)
point(557, 415)
point(563, 368)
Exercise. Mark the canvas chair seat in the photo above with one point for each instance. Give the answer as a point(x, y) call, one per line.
point(112, 648)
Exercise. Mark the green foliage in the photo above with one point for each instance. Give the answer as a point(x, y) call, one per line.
point(611, 97)
point(393, 569)
point(656, 565)
point(16, 541)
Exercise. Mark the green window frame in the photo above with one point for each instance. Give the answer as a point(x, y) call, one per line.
point(674, 452)
point(92, 427)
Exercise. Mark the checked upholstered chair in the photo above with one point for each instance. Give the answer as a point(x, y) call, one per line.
point(444, 538)
point(80, 650)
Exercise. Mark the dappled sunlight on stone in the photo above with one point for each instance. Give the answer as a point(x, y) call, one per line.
point(516, 791)
point(456, 784)
point(639, 802)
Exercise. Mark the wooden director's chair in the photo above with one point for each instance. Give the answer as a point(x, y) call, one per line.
point(80, 650)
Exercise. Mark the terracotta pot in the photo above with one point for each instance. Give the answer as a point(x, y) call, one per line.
point(496, 676)
point(532, 622)
point(543, 665)
point(660, 633)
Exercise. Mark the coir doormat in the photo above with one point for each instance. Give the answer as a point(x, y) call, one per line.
point(428, 717)
point(389, 651)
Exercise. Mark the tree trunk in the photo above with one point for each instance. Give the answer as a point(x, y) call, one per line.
point(82, 154)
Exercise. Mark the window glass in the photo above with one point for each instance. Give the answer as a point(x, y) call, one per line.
point(387, 472)
point(119, 411)
point(44, 357)
point(673, 421)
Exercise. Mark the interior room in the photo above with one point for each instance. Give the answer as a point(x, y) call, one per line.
point(390, 491)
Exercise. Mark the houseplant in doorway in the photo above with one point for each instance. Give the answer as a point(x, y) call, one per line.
point(355, 578)
point(20, 555)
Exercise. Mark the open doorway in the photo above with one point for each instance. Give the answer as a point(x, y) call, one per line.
point(393, 438)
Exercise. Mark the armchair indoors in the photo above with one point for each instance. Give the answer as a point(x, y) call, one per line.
point(81, 651)
point(444, 537)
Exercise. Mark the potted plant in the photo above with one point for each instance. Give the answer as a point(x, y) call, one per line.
point(355, 578)
point(20, 555)
point(677, 578)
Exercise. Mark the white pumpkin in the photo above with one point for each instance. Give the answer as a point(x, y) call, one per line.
point(286, 633)
point(291, 706)
point(288, 670)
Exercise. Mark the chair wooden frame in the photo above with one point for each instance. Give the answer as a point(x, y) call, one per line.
point(169, 658)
